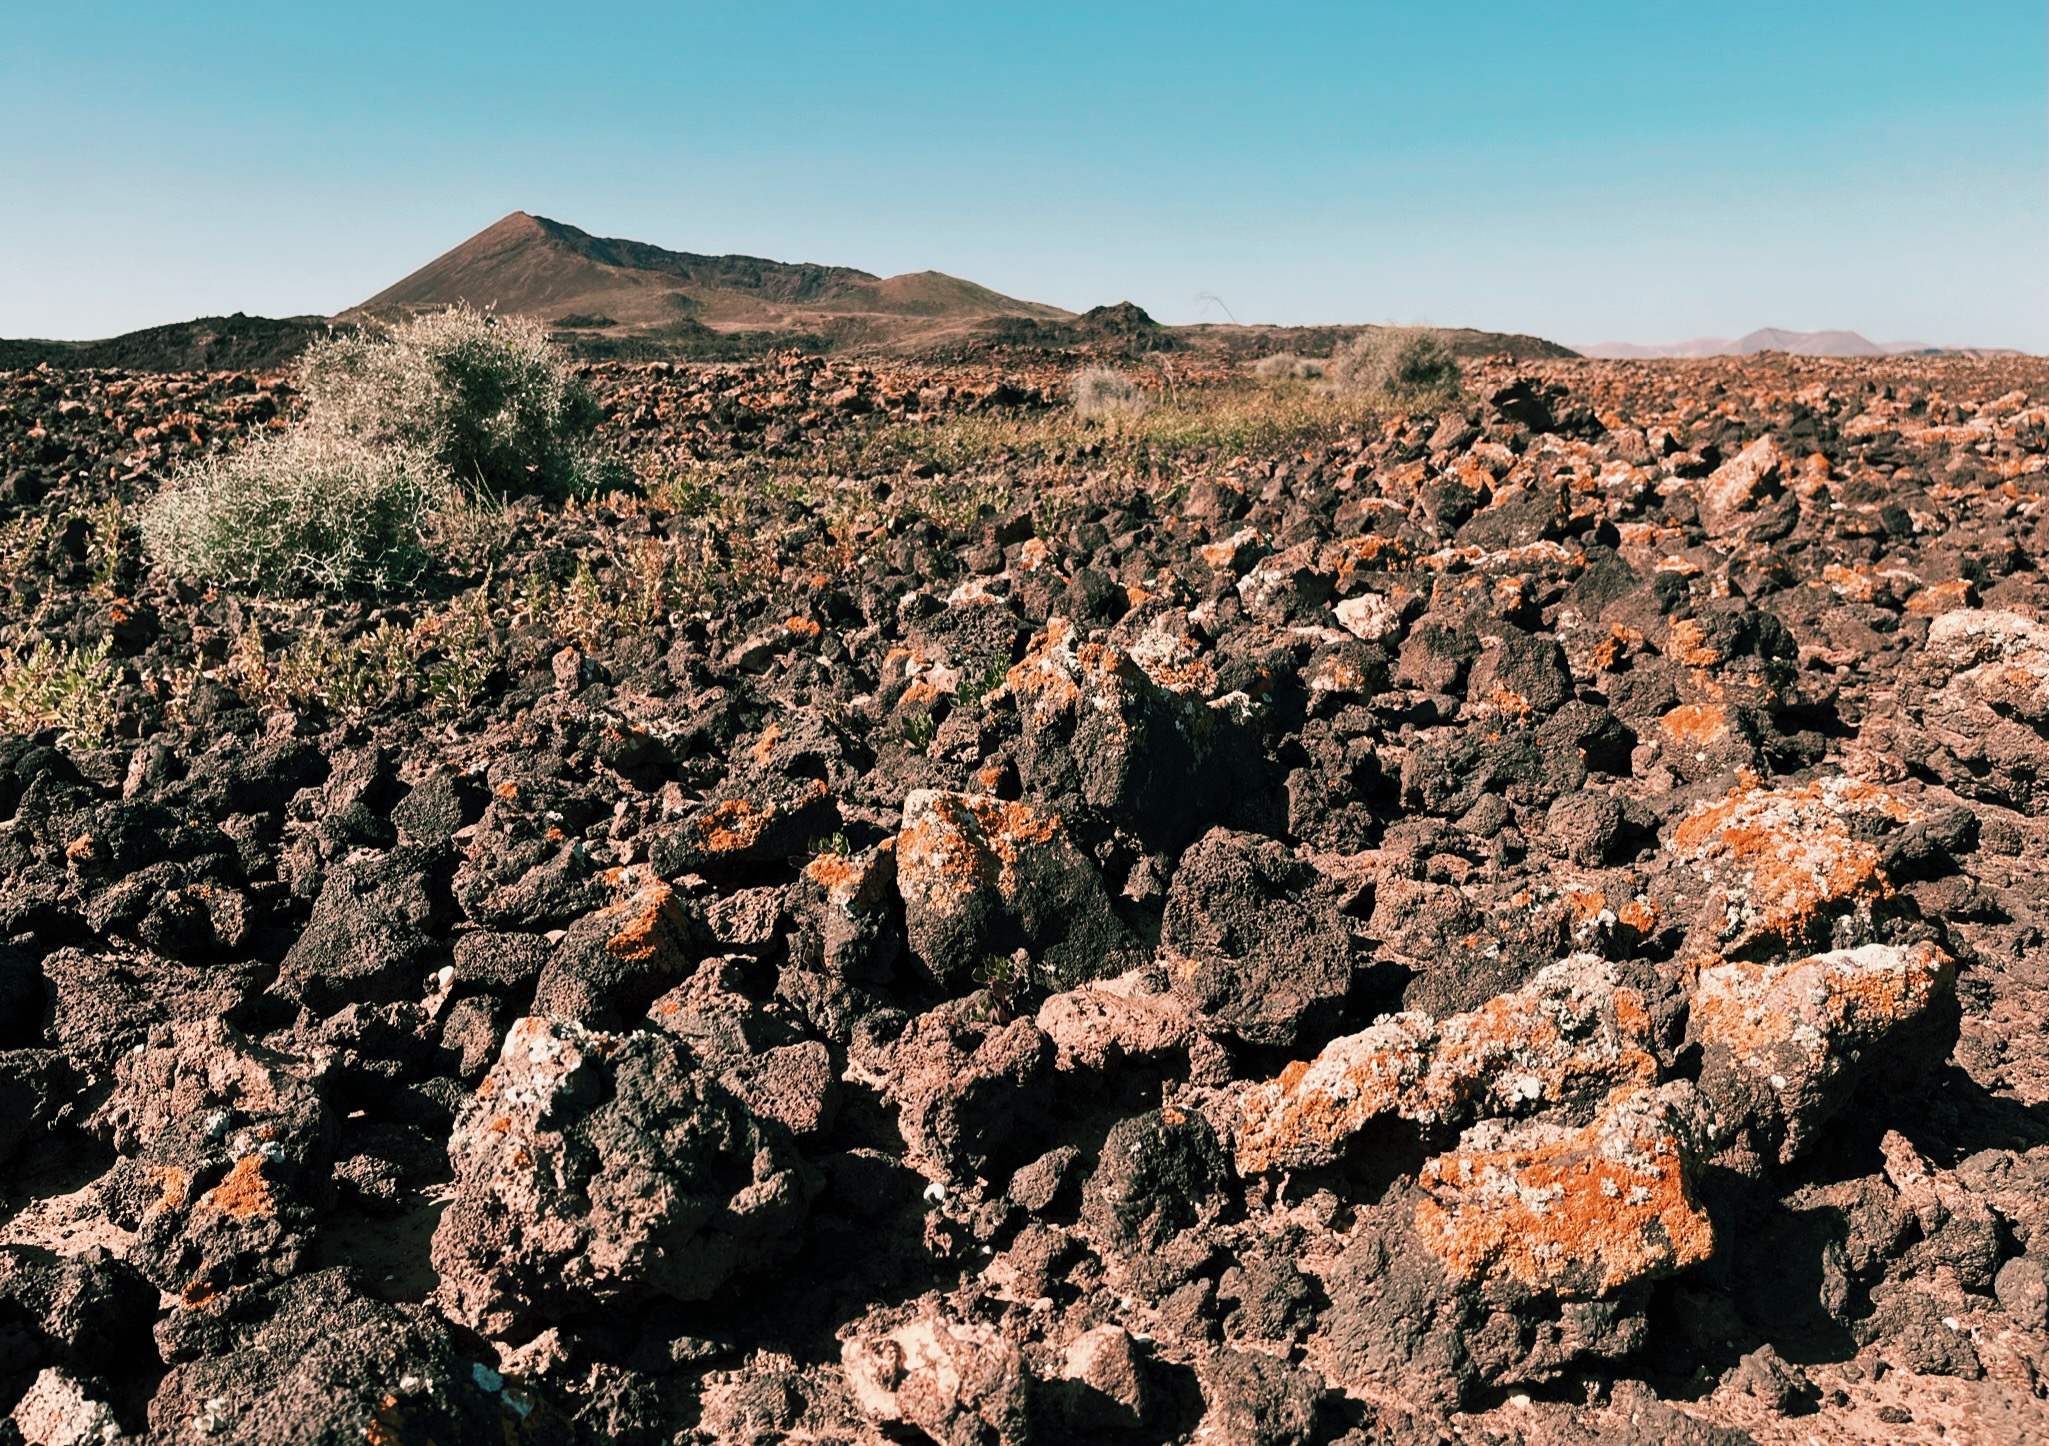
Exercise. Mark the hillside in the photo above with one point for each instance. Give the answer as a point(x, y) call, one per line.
point(615, 297)
point(208, 343)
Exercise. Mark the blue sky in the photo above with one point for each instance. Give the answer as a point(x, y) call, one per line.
point(1585, 171)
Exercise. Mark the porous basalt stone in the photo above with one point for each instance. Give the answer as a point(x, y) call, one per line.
point(982, 878)
point(1783, 1045)
point(598, 1168)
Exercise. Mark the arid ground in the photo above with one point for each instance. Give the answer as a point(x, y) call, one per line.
point(924, 917)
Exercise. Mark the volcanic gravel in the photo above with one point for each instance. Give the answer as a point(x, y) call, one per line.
point(1523, 924)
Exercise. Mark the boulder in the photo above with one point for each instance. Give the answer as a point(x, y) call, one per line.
point(595, 1169)
point(959, 1382)
point(982, 878)
point(1784, 1045)
point(1255, 940)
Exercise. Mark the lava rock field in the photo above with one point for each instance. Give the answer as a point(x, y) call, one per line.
point(1517, 924)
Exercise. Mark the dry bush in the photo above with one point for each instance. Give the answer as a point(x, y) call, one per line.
point(69, 689)
point(1407, 363)
point(1099, 393)
point(1285, 366)
point(302, 510)
point(410, 437)
point(488, 397)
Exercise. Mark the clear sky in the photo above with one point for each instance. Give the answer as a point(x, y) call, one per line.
point(1582, 170)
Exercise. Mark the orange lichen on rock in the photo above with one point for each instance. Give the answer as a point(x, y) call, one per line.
point(1940, 598)
point(954, 843)
point(1573, 1212)
point(734, 825)
point(1571, 1032)
point(1236, 552)
point(1783, 863)
point(244, 1194)
point(1792, 1029)
point(174, 1186)
point(855, 883)
point(1997, 659)
point(1687, 642)
point(1171, 660)
point(1055, 673)
point(652, 927)
point(1856, 586)
point(1611, 650)
point(1696, 725)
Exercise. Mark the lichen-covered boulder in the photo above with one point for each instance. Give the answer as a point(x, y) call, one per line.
point(759, 815)
point(1573, 1212)
point(599, 1168)
point(615, 961)
point(226, 1149)
point(1565, 1041)
point(1784, 1045)
point(1789, 868)
point(1986, 709)
point(982, 878)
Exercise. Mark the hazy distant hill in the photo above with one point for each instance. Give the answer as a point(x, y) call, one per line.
point(1770, 338)
point(607, 295)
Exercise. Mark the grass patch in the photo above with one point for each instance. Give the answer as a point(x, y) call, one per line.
point(1225, 420)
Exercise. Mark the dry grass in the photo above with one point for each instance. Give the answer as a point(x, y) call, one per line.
point(1100, 394)
point(1192, 425)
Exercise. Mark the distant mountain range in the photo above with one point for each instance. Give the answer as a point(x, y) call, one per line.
point(603, 297)
point(1772, 338)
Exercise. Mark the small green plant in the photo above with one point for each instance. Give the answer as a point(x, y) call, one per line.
point(919, 730)
point(1101, 394)
point(1006, 980)
point(70, 689)
point(1403, 363)
point(835, 843)
point(108, 522)
point(974, 687)
point(688, 487)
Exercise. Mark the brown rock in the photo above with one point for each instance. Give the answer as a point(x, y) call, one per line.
point(1784, 1044)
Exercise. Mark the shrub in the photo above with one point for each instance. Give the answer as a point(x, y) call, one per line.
point(1402, 362)
point(300, 510)
point(1286, 366)
point(488, 397)
point(410, 437)
point(1099, 392)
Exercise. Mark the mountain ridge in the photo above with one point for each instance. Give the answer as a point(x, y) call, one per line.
point(618, 292)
